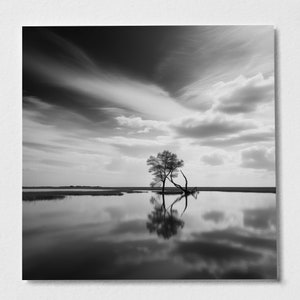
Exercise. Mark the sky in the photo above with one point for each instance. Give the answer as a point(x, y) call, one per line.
point(98, 101)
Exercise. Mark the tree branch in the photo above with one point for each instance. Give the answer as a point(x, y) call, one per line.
point(175, 184)
point(186, 182)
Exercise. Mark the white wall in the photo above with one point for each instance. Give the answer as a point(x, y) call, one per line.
point(284, 14)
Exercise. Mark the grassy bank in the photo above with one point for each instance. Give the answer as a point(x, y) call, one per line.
point(50, 195)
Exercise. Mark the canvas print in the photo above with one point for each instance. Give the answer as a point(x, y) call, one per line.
point(149, 153)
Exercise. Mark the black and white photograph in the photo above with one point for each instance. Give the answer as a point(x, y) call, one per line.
point(149, 153)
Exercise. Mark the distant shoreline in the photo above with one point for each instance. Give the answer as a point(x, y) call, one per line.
point(203, 189)
point(119, 191)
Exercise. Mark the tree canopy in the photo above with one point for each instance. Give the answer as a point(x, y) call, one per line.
point(163, 165)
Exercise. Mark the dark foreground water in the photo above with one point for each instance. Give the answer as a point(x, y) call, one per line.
point(219, 236)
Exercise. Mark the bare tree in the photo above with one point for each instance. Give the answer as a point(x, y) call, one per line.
point(185, 189)
point(161, 166)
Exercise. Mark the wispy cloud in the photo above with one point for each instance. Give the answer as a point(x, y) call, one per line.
point(258, 158)
point(143, 126)
point(94, 91)
point(139, 146)
point(213, 159)
point(207, 55)
point(243, 95)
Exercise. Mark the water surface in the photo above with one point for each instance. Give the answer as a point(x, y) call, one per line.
point(221, 235)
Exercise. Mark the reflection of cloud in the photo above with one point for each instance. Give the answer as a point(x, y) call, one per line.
point(228, 254)
point(216, 252)
point(114, 212)
point(98, 251)
point(258, 158)
point(216, 216)
point(230, 236)
point(205, 273)
point(132, 226)
point(254, 272)
point(84, 258)
point(260, 218)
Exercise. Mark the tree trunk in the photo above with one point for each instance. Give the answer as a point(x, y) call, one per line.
point(163, 193)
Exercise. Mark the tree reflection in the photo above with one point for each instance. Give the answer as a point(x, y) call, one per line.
point(165, 222)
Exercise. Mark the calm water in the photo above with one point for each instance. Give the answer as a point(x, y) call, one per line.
point(219, 236)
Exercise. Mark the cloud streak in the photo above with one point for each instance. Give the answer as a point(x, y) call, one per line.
point(197, 126)
point(207, 55)
point(66, 85)
point(258, 136)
